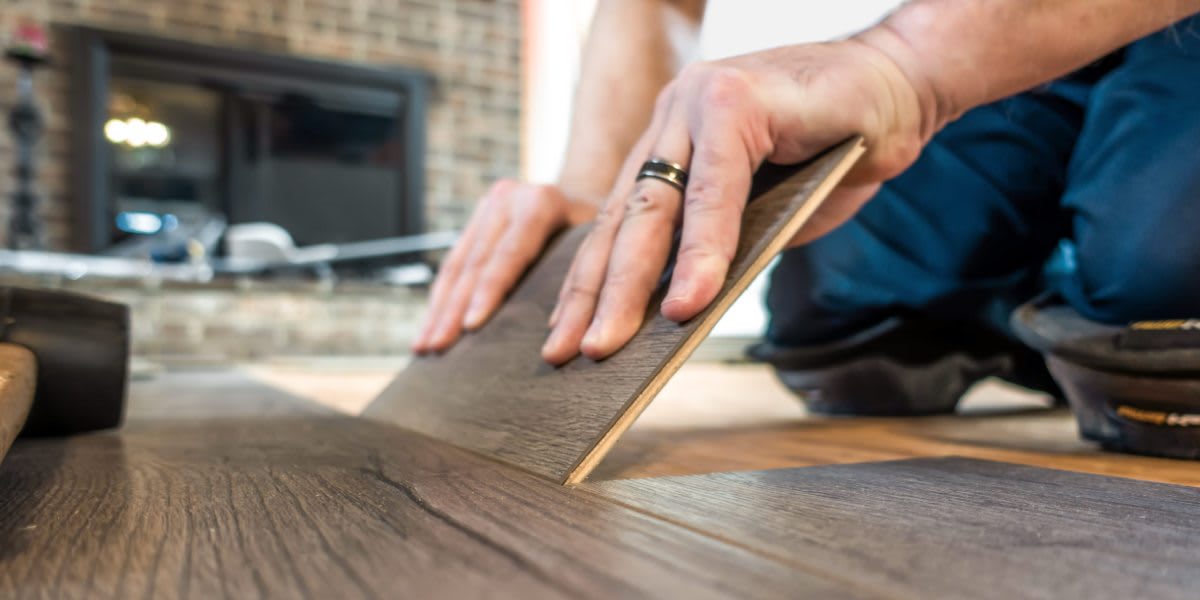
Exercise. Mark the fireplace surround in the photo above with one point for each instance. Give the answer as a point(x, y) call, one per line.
point(334, 152)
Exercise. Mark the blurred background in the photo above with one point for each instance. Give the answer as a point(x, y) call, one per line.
point(279, 178)
point(249, 176)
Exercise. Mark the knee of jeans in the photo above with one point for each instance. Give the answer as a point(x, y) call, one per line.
point(1118, 288)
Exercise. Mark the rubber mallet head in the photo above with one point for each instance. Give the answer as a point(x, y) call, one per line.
point(81, 349)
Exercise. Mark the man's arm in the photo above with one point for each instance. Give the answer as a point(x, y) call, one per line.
point(634, 48)
point(896, 84)
point(965, 53)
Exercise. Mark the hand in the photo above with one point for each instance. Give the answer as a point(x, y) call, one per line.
point(724, 119)
point(507, 231)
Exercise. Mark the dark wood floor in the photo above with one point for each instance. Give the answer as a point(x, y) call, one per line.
point(949, 527)
point(221, 487)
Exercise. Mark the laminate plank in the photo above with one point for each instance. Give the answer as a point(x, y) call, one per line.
point(320, 506)
point(492, 392)
point(949, 527)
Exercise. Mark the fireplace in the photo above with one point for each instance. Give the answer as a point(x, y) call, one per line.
point(169, 133)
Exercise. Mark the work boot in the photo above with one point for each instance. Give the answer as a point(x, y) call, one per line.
point(1133, 389)
point(902, 367)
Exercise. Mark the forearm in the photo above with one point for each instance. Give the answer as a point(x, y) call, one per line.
point(634, 48)
point(964, 53)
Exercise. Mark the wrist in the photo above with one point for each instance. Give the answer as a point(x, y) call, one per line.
point(908, 71)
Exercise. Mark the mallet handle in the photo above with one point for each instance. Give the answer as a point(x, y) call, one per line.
point(18, 374)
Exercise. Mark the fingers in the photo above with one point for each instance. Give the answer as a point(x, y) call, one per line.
point(451, 292)
point(518, 247)
point(577, 299)
point(450, 323)
point(640, 249)
point(448, 277)
point(576, 305)
point(718, 183)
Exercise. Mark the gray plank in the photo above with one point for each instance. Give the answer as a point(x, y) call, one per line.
point(332, 507)
point(492, 392)
point(949, 527)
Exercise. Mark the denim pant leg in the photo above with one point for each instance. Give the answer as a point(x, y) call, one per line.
point(1133, 186)
point(962, 234)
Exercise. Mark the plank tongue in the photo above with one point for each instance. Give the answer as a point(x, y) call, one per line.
point(493, 394)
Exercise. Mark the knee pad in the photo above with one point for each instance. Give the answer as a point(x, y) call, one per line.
point(1134, 388)
point(902, 367)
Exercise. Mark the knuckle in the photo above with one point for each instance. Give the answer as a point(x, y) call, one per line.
point(578, 291)
point(605, 218)
point(724, 87)
point(500, 186)
point(621, 279)
point(476, 261)
point(544, 192)
point(649, 200)
point(694, 71)
point(702, 196)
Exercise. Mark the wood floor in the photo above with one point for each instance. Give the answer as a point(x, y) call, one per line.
point(222, 486)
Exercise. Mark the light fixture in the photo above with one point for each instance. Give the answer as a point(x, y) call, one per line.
point(136, 133)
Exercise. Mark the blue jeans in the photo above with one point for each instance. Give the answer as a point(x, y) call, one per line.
point(1100, 169)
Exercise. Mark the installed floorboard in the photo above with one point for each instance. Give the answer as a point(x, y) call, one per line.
point(298, 504)
point(954, 527)
point(492, 393)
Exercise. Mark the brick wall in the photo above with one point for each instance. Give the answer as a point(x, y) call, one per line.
point(471, 46)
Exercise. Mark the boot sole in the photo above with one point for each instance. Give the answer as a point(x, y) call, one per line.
point(1152, 416)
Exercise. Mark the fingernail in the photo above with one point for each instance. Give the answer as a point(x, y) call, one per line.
point(554, 316)
point(593, 338)
point(678, 292)
point(474, 318)
point(441, 335)
point(550, 343)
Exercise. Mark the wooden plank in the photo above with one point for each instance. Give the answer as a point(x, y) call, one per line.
point(336, 507)
point(949, 527)
point(492, 392)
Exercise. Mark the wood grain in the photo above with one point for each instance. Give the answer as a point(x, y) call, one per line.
point(335, 507)
point(958, 528)
point(492, 393)
point(18, 376)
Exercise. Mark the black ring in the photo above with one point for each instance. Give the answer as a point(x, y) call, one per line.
point(664, 170)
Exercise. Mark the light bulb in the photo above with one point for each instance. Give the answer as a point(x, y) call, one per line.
point(116, 131)
point(157, 134)
point(136, 134)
